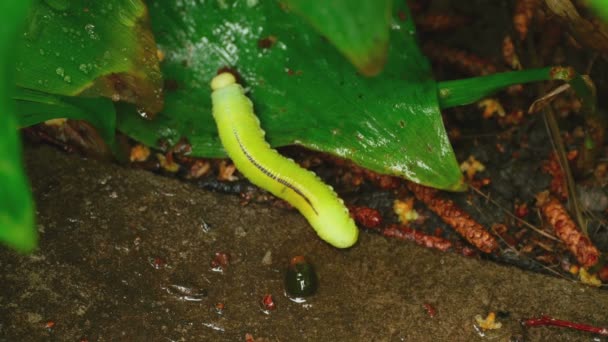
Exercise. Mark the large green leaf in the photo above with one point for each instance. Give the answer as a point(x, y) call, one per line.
point(601, 6)
point(103, 47)
point(304, 91)
point(16, 209)
point(358, 28)
point(34, 107)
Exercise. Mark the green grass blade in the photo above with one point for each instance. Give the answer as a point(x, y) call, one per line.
point(16, 205)
point(34, 107)
point(466, 91)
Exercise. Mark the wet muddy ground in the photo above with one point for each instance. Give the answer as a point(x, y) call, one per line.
point(126, 255)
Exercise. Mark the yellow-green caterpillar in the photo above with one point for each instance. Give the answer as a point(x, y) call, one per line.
point(243, 140)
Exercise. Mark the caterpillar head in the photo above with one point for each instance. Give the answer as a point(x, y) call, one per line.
point(222, 80)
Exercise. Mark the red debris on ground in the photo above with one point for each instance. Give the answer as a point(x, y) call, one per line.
point(521, 210)
point(221, 261)
point(465, 61)
point(50, 325)
point(603, 274)
point(550, 321)
point(566, 230)
point(366, 216)
point(430, 310)
point(268, 302)
point(456, 218)
point(219, 308)
point(406, 233)
point(558, 185)
point(524, 12)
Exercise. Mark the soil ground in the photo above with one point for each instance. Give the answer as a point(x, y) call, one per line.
point(121, 250)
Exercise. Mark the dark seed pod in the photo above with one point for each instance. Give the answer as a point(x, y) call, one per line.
point(301, 278)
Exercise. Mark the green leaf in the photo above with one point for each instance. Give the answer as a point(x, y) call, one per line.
point(303, 90)
point(16, 206)
point(101, 47)
point(358, 28)
point(601, 6)
point(34, 107)
point(469, 90)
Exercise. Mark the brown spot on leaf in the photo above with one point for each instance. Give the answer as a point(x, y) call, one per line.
point(402, 16)
point(141, 84)
point(267, 43)
point(171, 85)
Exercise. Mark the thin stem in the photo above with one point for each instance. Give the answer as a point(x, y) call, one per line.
point(550, 321)
point(524, 222)
point(558, 146)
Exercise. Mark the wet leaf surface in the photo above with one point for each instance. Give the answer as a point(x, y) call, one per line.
point(359, 29)
point(103, 47)
point(304, 91)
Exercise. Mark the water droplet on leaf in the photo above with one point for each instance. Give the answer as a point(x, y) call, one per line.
point(83, 68)
point(90, 28)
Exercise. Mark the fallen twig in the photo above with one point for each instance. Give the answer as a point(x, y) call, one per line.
point(406, 233)
point(456, 218)
point(550, 321)
point(566, 230)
